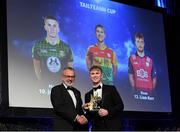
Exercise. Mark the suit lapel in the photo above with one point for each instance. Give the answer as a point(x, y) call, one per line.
point(89, 95)
point(69, 97)
point(104, 92)
point(77, 98)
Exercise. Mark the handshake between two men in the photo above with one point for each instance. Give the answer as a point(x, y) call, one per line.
point(81, 119)
point(91, 107)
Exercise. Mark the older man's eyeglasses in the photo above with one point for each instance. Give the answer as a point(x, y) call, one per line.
point(68, 76)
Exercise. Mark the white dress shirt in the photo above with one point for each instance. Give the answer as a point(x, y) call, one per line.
point(98, 92)
point(71, 93)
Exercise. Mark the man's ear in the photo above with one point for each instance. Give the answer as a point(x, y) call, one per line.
point(45, 27)
point(101, 76)
point(58, 29)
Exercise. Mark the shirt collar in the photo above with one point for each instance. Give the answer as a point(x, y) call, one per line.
point(140, 56)
point(65, 85)
point(101, 84)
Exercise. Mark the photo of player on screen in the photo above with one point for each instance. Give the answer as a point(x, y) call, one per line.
point(51, 54)
point(99, 54)
point(142, 73)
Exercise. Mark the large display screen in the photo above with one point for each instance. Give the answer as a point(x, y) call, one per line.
point(133, 57)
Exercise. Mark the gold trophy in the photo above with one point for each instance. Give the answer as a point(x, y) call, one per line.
point(95, 103)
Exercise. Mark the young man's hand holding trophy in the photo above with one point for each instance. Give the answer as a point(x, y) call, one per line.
point(94, 104)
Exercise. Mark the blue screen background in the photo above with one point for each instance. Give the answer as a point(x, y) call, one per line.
point(77, 28)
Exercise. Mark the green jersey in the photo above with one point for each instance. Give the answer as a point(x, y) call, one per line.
point(53, 58)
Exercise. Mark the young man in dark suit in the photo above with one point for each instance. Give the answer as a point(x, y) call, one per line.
point(67, 104)
point(106, 116)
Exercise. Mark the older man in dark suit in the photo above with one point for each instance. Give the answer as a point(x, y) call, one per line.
point(67, 104)
point(106, 116)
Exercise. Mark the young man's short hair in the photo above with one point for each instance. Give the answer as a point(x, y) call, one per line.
point(50, 17)
point(139, 35)
point(100, 26)
point(95, 68)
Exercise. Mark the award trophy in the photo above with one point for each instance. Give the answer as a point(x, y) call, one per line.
point(95, 103)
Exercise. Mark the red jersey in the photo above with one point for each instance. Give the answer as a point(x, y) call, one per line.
point(143, 71)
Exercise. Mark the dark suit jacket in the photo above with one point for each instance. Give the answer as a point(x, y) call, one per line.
point(111, 101)
point(65, 111)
